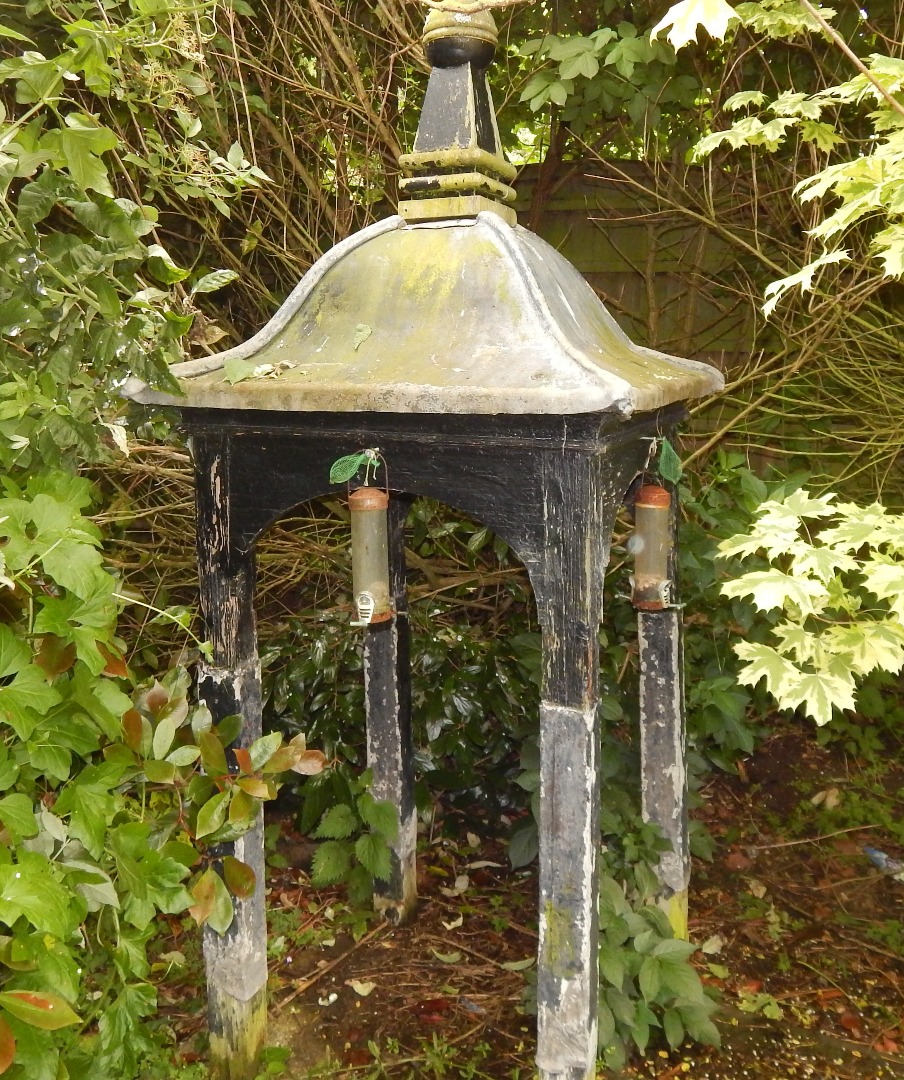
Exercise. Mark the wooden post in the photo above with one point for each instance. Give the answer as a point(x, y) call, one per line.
point(662, 738)
point(569, 601)
point(236, 961)
point(387, 692)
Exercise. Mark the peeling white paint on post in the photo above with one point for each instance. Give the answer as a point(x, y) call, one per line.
point(236, 962)
point(236, 965)
point(662, 742)
point(567, 970)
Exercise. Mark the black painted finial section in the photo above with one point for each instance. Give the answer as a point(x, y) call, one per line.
point(457, 165)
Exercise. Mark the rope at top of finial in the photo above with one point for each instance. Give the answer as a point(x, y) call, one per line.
point(470, 7)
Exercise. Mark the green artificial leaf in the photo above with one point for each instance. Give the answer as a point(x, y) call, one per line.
point(344, 468)
point(337, 823)
point(381, 816)
point(446, 958)
point(164, 734)
point(669, 463)
point(372, 851)
point(331, 864)
point(49, 1012)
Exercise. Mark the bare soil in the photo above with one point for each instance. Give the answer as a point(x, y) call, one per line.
point(805, 940)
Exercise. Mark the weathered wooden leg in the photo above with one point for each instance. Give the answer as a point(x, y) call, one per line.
point(570, 608)
point(662, 741)
point(387, 690)
point(236, 961)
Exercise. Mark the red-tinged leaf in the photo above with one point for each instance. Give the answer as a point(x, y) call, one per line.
point(286, 757)
point(239, 877)
point(132, 730)
point(156, 699)
point(7, 1046)
point(204, 895)
point(311, 763)
point(49, 1012)
point(55, 656)
point(213, 756)
point(115, 664)
point(260, 789)
point(243, 760)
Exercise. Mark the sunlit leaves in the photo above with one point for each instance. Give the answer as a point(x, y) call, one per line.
point(682, 21)
point(827, 581)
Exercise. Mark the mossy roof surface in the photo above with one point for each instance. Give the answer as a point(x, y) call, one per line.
point(458, 316)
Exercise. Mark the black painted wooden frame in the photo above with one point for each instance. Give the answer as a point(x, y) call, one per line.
point(551, 487)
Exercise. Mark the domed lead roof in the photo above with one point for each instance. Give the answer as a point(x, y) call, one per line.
point(468, 315)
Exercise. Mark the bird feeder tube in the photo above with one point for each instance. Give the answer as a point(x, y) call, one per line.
point(651, 543)
point(370, 555)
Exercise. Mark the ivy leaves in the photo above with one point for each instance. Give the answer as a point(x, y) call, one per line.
point(837, 578)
